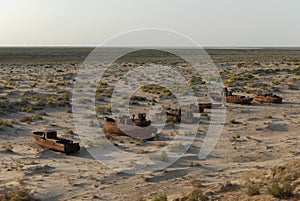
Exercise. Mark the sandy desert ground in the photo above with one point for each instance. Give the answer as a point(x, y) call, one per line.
point(258, 148)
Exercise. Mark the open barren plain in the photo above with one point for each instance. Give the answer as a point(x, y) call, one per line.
point(256, 158)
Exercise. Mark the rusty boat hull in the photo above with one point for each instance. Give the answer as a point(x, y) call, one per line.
point(268, 99)
point(184, 114)
point(209, 105)
point(236, 99)
point(56, 144)
point(130, 130)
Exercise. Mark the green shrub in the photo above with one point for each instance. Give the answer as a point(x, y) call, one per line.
point(17, 194)
point(233, 121)
point(161, 197)
point(26, 109)
point(283, 191)
point(197, 195)
point(234, 137)
point(176, 146)
point(253, 190)
point(203, 114)
point(277, 169)
point(33, 85)
point(70, 132)
point(103, 109)
point(287, 189)
point(164, 156)
point(138, 98)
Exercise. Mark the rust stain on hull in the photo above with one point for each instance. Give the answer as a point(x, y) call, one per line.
point(49, 140)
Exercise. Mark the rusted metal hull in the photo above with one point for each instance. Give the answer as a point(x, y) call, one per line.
point(184, 114)
point(142, 123)
point(53, 144)
point(112, 128)
point(239, 100)
point(130, 130)
point(174, 116)
point(268, 99)
point(209, 105)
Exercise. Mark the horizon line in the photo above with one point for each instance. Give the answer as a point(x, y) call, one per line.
point(155, 46)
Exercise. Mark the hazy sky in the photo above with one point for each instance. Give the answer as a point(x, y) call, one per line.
point(209, 22)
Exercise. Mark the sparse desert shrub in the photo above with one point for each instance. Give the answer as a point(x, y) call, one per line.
point(277, 169)
point(203, 114)
point(161, 197)
point(37, 106)
point(62, 83)
point(49, 80)
point(138, 98)
point(26, 109)
point(17, 194)
point(141, 151)
point(160, 144)
point(8, 148)
point(176, 146)
point(253, 190)
point(91, 123)
point(103, 109)
point(59, 71)
point(283, 191)
point(292, 87)
point(233, 121)
point(171, 121)
point(196, 80)
point(50, 102)
point(84, 100)
point(132, 164)
point(37, 117)
point(153, 101)
point(193, 164)
point(276, 82)
point(197, 195)
point(297, 70)
point(26, 118)
point(157, 90)
point(3, 97)
point(228, 186)
point(30, 118)
point(231, 83)
point(234, 137)
point(7, 86)
point(33, 85)
point(163, 156)
point(52, 86)
point(167, 93)
point(132, 102)
point(11, 92)
point(70, 132)
point(65, 95)
point(103, 85)
point(1, 124)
